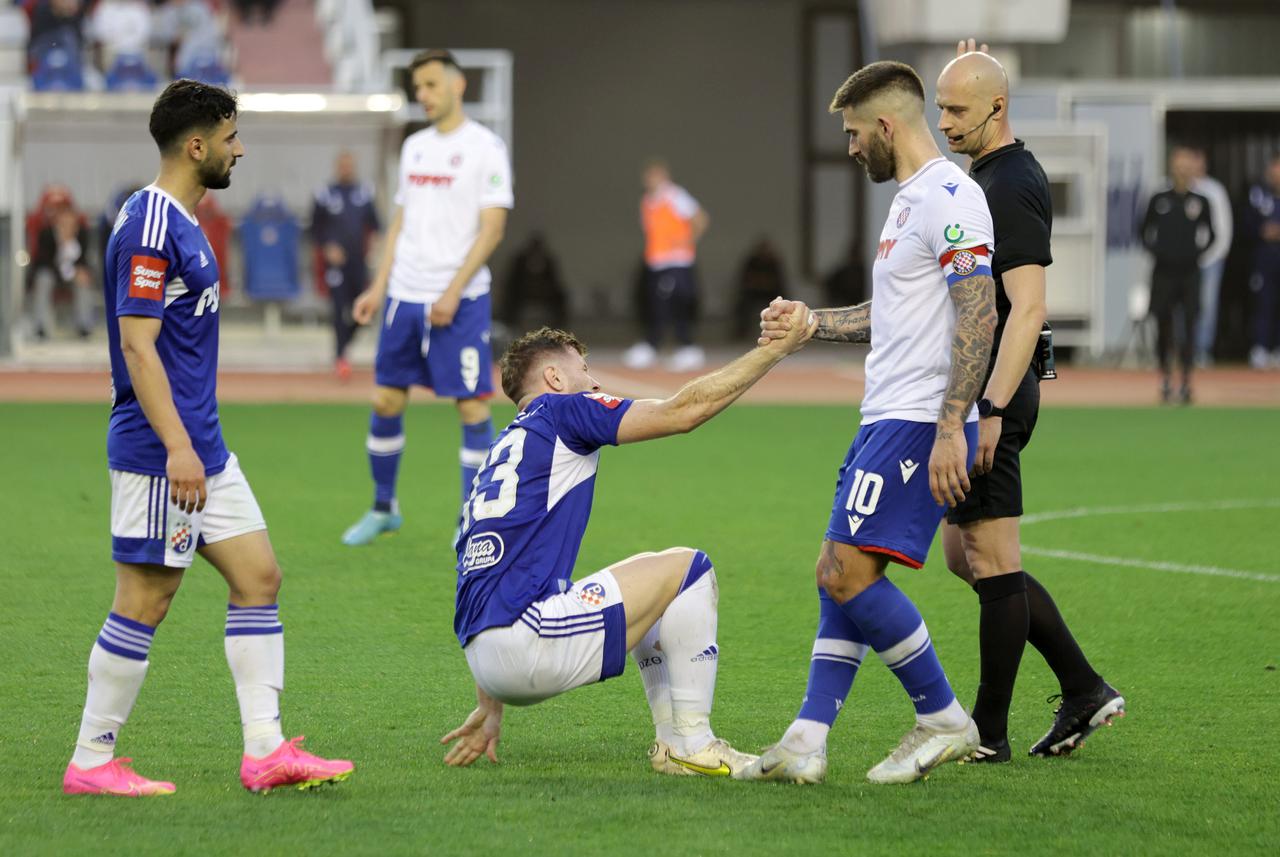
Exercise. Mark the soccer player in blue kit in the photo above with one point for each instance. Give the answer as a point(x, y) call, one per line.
point(175, 489)
point(930, 324)
point(529, 632)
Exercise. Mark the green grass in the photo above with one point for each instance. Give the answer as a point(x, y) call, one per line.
point(374, 672)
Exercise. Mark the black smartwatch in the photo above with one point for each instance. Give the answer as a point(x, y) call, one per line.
point(987, 409)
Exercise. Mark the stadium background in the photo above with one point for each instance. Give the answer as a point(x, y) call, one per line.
point(1169, 572)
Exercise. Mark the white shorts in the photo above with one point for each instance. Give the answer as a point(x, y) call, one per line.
point(565, 641)
point(146, 528)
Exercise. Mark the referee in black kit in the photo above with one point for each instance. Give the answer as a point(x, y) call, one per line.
point(981, 538)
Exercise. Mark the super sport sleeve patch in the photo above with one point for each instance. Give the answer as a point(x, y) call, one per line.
point(146, 277)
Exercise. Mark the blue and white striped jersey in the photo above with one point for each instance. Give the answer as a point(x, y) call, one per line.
point(528, 510)
point(159, 264)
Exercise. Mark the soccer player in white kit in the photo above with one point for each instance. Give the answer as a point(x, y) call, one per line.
point(433, 285)
point(930, 324)
point(175, 489)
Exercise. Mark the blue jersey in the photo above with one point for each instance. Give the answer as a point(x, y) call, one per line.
point(528, 510)
point(160, 265)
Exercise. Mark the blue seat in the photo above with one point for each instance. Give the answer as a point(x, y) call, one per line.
point(269, 238)
point(57, 69)
point(206, 68)
point(130, 73)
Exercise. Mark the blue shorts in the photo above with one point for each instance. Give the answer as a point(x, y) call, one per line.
point(454, 361)
point(883, 503)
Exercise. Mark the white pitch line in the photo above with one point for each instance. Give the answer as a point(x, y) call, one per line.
point(1155, 508)
point(1210, 570)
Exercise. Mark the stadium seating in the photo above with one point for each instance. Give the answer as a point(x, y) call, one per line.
point(217, 229)
point(269, 237)
point(57, 69)
point(206, 68)
point(130, 73)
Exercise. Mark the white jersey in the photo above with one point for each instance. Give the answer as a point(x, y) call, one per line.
point(445, 179)
point(938, 232)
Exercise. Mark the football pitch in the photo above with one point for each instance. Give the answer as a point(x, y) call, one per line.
point(1156, 530)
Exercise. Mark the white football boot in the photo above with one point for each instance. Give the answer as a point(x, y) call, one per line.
point(922, 750)
point(717, 759)
point(779, 764)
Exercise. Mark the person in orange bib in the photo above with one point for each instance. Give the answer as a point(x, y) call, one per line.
point(673, 221)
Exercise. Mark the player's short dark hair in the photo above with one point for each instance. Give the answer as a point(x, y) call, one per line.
point(188, 105)
point(524, 353)
point(434, 55)
point(874, 79)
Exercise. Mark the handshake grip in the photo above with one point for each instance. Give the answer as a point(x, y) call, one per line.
point(781, 317)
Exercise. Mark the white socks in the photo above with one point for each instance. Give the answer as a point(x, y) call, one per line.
point(687, 635)
point(657, 683)
point(255, 653)
point(805, 736)
point(953, 718)
point(114, 682)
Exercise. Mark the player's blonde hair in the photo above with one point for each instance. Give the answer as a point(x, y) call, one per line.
point(523, 355)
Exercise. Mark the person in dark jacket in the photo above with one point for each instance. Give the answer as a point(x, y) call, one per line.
point(1176, 231)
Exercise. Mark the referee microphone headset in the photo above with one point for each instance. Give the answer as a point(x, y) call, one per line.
point(995, 108)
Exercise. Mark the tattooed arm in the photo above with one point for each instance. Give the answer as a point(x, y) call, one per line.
point(845, 324)
point(975, 302)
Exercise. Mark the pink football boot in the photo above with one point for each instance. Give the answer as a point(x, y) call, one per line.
point(113, 778)
point(290, 765)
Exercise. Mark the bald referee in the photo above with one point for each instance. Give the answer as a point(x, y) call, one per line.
point(981, 538)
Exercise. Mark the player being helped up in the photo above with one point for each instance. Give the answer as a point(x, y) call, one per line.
point(530, 632)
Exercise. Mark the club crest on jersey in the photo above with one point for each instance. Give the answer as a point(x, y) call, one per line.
point(591, 595)
point(903, 215)
point(146, 277)
point(180, 541)
point(605, 399)
point(483, 550)
point(964, 262)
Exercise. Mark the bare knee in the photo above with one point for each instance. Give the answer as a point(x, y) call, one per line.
point(953, 550)
point(256, 586)
point(389, 401)
point(144, 595)
point(472, 411)
point(843, 581)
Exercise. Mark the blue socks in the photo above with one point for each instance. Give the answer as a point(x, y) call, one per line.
point(892, 626)
point(476, 438)
point(385, 444)
point(837, 653)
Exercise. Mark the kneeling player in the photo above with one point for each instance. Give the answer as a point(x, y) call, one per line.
point(529, 632)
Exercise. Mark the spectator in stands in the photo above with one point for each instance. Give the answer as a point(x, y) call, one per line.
point(59, 262)
point(1176, 231)
point(120, 28)
point(534, 284)
point(761, 280)
point(192, 32)
point(1215, 258)
point(1263, 225)
point(56, 23)
point(343, 220)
